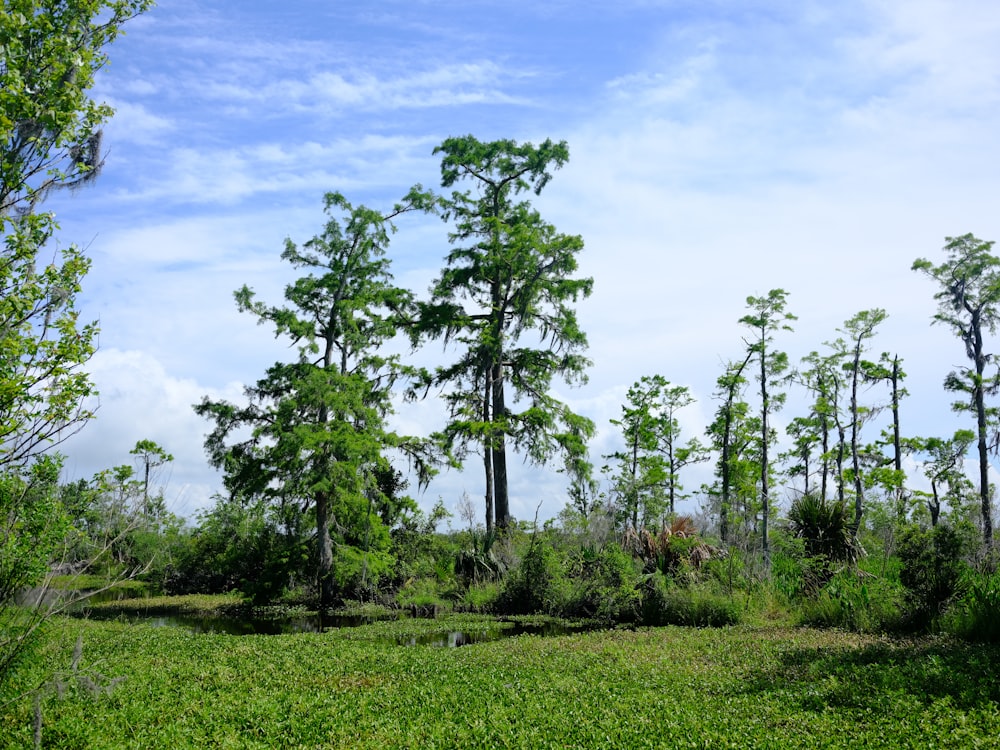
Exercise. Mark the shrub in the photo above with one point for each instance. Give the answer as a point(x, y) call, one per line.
point(481, 597)
point(976, 616)
point(480, 562)
point(422, 593)
point(932, 567)
point(357, 572)
point(699, 605)
point(537, 584)
point(604, 586)
point(825, 528)
point(854, 600)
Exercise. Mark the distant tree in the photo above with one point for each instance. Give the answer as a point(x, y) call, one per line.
point(509, 277)
point(767, 317)
point(825, 380)
point(969, 305)
point(637, 483)
point(889, 369)
point(314, 431)
point(805, 435)
point(730, 415)
point(945, 469)
point(675, 455)
point(860, 328)
point(149, 456)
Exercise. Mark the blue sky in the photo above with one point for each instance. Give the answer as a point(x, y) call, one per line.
point(718, 149)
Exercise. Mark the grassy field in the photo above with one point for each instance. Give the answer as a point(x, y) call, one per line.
point(745, 687)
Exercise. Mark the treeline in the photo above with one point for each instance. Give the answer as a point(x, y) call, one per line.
point(315, 509)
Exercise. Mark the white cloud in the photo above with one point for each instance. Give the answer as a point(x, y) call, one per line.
point(140, 400)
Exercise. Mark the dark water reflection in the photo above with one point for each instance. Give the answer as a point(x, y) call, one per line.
point(451, 638)
point(303, 623)
point(73, 598)
point(252, 626)
point(456, 638)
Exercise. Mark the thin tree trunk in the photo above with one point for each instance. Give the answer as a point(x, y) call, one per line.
point(897, 449)
point(984, 466)
point(764, 489)
point(488, 453)
point(499, 450)
point(855, 429)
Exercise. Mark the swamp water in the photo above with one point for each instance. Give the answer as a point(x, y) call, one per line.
point(445, 638)
point(314, 623)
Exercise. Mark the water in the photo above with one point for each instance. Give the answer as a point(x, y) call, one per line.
point(75, 598)
point(450, 638)
point(310, 623)
point(457, 638)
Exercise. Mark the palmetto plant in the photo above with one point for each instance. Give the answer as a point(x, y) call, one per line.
point(824, 527)
point(673, 546)
point(481, 563)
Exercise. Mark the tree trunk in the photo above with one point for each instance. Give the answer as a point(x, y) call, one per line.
point(764, 489)
point(499, 450)
point(855, 428)
point(324, 545)
point(897, 449)
point(984, 465)
point(724, 500)
point(488, 454)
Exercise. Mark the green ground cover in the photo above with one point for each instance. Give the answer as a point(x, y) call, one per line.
point(742, 687)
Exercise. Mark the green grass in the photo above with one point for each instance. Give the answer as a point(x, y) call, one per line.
point(741, 687)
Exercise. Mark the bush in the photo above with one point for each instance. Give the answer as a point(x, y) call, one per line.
point(604, 586)
point(931, 568)
point(357, 573)
point(699, 605)
point(854, 600)
point(976, 616)
point(481, 597)
point(423, 593)
point(538, 584)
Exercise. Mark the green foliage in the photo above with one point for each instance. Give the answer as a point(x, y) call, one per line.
point(604, 586)
point(825, 527)
point(932, 567)
point(510, 262)
point(976, 614)
point(661, 687)
point(480, 562)
point(767, 317)
point(33, 525)
point(422, 552)
point(646, 484)
point(357, 572)
point(481, 597)
point(314, 432)
point(969, 305)
point(538, 584)
point(49, 127)
point(426, 594)
point(43, 390)
point(240, 547)
point(854, 601)
point(665, 602)
point(677, 550)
